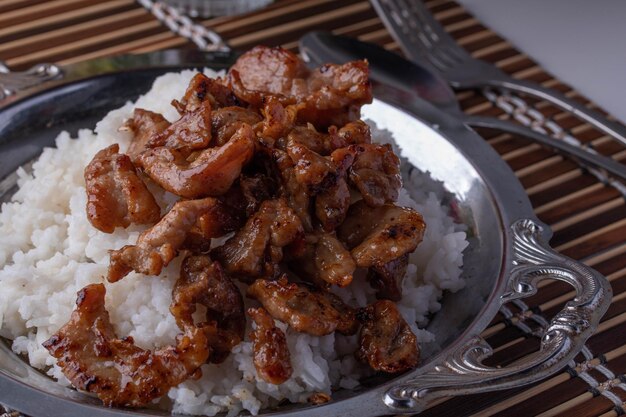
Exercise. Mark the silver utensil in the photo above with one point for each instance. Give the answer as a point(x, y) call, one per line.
point(422, 38)
point(393, 70)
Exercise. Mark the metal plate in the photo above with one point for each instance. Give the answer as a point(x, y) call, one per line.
point(489, 197)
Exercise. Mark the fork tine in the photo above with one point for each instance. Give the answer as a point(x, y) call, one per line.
point(418, 32)
point(420, 40)
point(446, 42)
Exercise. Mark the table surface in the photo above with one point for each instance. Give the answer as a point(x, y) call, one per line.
point(588, 217)
point(581, 42)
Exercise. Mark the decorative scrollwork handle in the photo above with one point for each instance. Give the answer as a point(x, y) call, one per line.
point(463, 372)
point(13, 82)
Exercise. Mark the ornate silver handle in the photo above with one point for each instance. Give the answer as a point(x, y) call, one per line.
point(13, 82)
point(463, 371)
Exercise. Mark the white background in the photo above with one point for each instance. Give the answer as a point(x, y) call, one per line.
point(581, 42)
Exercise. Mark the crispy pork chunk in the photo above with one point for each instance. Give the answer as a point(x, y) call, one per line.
point(210, 173)
point(329, 95)
point(157, 246)
point(386, 341)
point(256, 249)
point(203, 281)
point(308, 310)
point(95, 360)
point(116, 196)
point(379, 237)
point(272, 359)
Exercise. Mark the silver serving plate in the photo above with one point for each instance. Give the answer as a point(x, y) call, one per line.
point(507, 257)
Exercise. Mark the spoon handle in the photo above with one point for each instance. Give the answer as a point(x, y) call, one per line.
point(586, 158)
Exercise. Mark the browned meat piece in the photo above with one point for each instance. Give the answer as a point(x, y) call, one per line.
point(376, 173)
point(157, 246)
point(325, 261)
point(336, 94)
point(273, 71)
point(333, 261)
point(311, 170)
point(332, 203)
point(378, 238)
point(306, 135)
point(316, 312)
point(191, 132)
point(204, 89)
point(256, 189)
point(278, 120)
point(144, 125)
point(386, 341)
point(94, 360)
point(203, 282)
point(296, 193)
point(218, 221)
point(387, 278)
point(271, 353)
point(116, 196)
point(226, 121)
point(319, 398)
point(332, 94)
point(353, 133)
point(211, 173)
point(256, 248)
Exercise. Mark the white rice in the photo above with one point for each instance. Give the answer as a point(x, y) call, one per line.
point(49, 251)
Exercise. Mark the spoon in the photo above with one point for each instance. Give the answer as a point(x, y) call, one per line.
point(391, 69)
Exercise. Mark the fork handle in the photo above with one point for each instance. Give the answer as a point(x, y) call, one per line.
point(588, 159)
point(529, 88)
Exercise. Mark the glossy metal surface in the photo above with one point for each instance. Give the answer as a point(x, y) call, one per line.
point(393, 70)
point(421, 37)
point(506, 257)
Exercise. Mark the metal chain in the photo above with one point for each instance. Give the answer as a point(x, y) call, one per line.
point(205, 39)
point(527, 115)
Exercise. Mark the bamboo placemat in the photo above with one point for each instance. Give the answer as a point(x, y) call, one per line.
point(588, 217)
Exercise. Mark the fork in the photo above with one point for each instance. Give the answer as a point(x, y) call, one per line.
point(422, 38)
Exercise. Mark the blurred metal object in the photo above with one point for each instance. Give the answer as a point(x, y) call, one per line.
point(204, 38)
point(422, 38)
point(208, 8)
point(13, 82)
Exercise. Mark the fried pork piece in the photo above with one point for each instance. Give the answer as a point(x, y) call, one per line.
point(256, 249)
point(330, 95)
point(332, 202)
point(226, 121)
point(311, 169)
point(376, 174)
point(324, 261)
point(264, 71)
point(378, 238)
point(157, 246)
point(211, 173)
point(386, 341)
point(313, 311)
point(217, 222)
point(353, 133)
point(144, 125)
point(191, 132)
point(204, 282)
point(278, 120)
point(116, 196)
point(270, 351)
point(204, 89)
point(93, 359)
point(292, 190)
